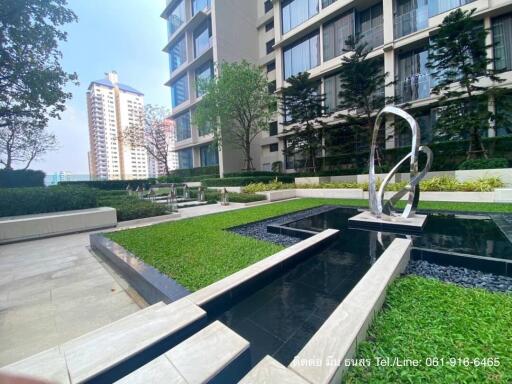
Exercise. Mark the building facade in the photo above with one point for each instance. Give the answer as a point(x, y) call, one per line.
point(113, 108)
point(308, 35)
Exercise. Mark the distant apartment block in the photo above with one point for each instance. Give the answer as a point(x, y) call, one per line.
point(113, 107)
point(292, 36)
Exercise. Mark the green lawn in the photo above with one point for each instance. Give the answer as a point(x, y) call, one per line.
point(197, 252)
point(424, 319)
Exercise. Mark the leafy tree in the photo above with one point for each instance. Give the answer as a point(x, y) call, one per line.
point(458, 61)
point(303, 105)
point(153, 133)
point(31, 77)
point(362, 83)
point(236, 107)
point(23, 141)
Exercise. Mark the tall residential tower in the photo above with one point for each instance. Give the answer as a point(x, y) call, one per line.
point(112, 108)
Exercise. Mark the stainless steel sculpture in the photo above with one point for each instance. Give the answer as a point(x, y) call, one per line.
point(377, 207)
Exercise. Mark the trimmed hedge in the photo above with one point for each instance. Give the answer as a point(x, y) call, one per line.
point(25, 201)
point(110, 184)
point(131, 207)
point(484, 163)
point(21, 178)
point(243, 181)
point(252, 174)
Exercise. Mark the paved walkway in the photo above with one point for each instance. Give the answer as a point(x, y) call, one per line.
point(55, 289)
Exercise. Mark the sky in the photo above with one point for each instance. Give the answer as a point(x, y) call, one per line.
point(122, 35)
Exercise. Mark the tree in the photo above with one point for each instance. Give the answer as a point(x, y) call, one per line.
point(303, 105)
point(23, 141)
point(236, 107)
point(362, 83)
point(153, 133)
point(458, 61)
point(31, 78)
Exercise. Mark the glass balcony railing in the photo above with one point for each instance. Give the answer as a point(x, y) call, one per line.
point(410, 22)
point(374, 37)
point(440, 6)
point(413, 88)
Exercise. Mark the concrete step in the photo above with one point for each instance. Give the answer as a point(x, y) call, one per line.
point(215, 354)
point(113, 351)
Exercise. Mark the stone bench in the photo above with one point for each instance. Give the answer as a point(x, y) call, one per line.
point(27, 227)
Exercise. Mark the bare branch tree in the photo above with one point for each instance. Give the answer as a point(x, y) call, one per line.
point(153, 133)
point(23, 141)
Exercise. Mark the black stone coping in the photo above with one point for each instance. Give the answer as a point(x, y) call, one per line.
point(150, 283)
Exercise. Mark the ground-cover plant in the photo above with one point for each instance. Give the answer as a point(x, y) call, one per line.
point(444, 183)
point(197, 252)
point(25, 201)
point(465, 330)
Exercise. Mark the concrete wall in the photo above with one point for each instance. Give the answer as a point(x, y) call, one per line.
point(19, 228)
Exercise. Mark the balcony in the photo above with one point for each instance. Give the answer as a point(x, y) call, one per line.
point(413, 88)
point(410, 22)
point(373, 37)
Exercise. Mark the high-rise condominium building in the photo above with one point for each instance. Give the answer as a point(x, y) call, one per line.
point(113, 108)
point(309, 35)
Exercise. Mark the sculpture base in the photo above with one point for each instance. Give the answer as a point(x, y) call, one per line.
point(395, 224)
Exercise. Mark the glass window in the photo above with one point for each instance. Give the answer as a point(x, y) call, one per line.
point(271, 66)
point(268, 5)
point(202, 38)
point(179, 91)
point(332, 91)
point(183, 130)
point(203, 74)
point(336, 33)
point(326, 3)
point(273, 147)
point(370, 25)
point(269, 26)
point(178, 54)
point(209, 155)
point(185, 159)
point(295, 12)
point(200, 5)
point(272, 130)
point(413, 75)
point(440, 6)
point(302, 56)
point(502, 42)
point(176, 18)
point(410, 16)
point(270, 46)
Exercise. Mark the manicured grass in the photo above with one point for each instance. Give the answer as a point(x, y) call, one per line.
point(426, 319)
point(197, 252)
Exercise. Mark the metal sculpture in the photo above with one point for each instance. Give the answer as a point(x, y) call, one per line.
point(377, 207)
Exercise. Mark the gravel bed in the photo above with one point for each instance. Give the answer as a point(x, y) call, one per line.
point(468, 278)
point(258, 230)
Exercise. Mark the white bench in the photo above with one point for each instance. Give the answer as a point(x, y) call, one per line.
point(27, 227)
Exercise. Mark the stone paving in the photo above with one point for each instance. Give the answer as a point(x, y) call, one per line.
point(55, 289)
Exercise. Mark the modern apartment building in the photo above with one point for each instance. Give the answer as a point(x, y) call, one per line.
point(113, 108)
point(202, 33)
point(308, 35)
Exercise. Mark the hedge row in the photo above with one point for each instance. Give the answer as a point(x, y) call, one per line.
point(21, 178)
point(243, 181)
point(25, 201)
point(110, 184)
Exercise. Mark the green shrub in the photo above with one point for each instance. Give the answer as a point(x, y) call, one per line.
point(245, 197)
point(264, 187)
point(484, 163)
point(199, 171)
point(111, 184)
point(243, 181)
point(25, 201)
point(252, 174)
point(131, 207)
point(21, 178)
